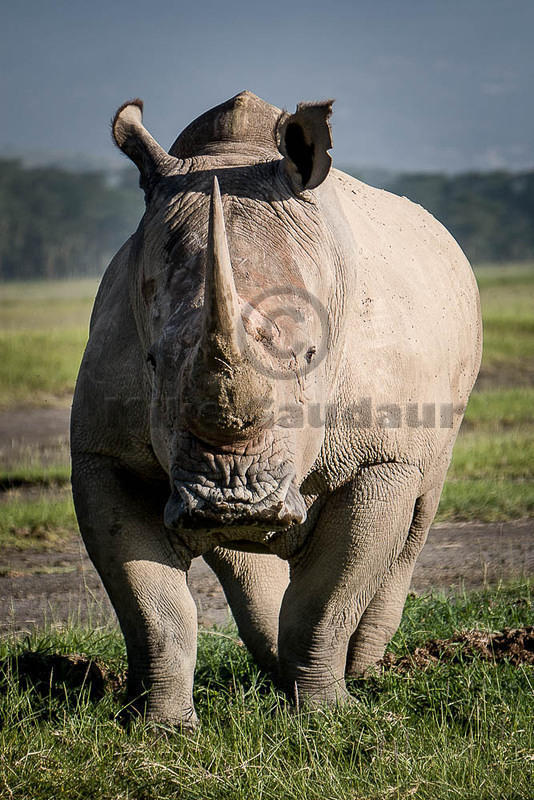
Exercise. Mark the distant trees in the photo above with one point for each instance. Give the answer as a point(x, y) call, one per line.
point(56, 223)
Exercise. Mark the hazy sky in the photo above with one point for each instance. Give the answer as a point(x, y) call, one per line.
point(419, 84)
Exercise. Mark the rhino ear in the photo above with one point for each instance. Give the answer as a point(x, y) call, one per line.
point(304, 139)
point(131, 136)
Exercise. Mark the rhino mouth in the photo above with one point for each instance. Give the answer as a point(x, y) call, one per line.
point(251, 486)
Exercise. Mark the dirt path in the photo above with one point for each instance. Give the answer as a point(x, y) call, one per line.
point(58, 586)
point(45, 430)
point(37, 426)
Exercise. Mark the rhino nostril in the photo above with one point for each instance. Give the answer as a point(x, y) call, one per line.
point(151, 360)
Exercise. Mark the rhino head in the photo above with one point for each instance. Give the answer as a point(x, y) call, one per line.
point(231, 272)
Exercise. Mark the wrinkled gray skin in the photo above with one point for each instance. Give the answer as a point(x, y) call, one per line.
point(210, 421)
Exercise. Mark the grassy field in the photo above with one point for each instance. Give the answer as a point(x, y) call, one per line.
point(41, 521)
point(507, 307)
point(456, 729)
point(491, 477)
point(43, 330)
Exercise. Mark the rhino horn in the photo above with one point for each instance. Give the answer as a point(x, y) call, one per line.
point(223, 396)
point(223, 333)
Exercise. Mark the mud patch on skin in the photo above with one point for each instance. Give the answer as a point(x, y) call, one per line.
point(49, 674)
point(513, 645)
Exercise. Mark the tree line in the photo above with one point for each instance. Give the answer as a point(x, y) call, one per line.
point(56, 223)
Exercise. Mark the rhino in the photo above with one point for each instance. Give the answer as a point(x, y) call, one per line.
point(277, 367)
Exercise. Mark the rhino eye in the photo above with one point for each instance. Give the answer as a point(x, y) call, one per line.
point(310, 352)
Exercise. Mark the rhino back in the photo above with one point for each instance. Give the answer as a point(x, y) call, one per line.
point(412, 336)
point(415, 314)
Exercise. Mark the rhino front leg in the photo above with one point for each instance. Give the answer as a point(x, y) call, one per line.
point(254, 585)
point(383, 614)
point(358, 537)
point(120, 521)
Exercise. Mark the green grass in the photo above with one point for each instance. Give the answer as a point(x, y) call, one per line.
point(507, 337)
point(36, 366)
point(36, 463)
point(507, 310)
point(493, 456)
point(491, 477)
point(59, 313)
point(508, 351)
point(505, 276)
point(455, 730)
point(34, 475)
point(485, 500)
point(43, 331)
point(500, 410)
point(41, 522)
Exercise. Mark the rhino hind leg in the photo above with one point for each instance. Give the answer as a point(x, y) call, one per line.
point(382, 616)
point(120, 521)
point(361, 531)
point(254, 585)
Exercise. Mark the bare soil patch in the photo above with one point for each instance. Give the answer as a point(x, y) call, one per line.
point(505, 375)
point(49, 673)
point(59, 585)
point(515, 645)
point(42, 429)
point(55, 587)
